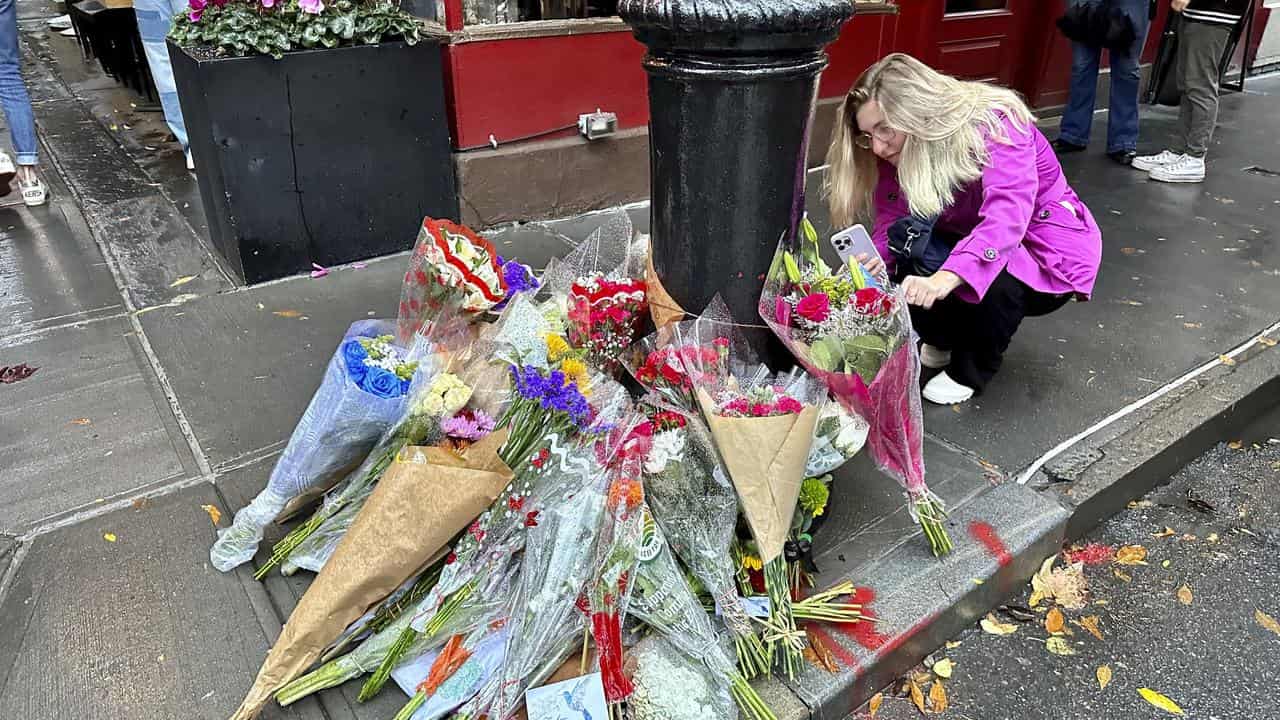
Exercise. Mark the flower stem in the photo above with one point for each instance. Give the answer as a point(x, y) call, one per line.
point(326, 676)
point(411, 707)
point(395, 653)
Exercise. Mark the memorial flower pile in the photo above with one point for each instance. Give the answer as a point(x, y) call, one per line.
point(518, 506)
point(856, 336)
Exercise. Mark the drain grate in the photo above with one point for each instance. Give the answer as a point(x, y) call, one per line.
point(1264, 172)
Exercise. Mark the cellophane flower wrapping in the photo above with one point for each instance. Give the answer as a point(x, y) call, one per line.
point(617, 553)
point(600, 287)
point(358, 399)
point(558, 562)
point(856, 336)
point(448, 355)
point(840, 435)
point(663, 600)
point(484, 650)
point(452, 269)
point(670, 685)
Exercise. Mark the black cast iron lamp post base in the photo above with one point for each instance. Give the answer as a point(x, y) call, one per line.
point(732, 88)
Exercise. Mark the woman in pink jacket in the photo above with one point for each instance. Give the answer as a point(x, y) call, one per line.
point(915, 149)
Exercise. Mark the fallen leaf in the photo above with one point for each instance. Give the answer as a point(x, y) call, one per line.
point(1212, 537)
point(1225, 360)
point(1167, 532)
point(1090, 623)
point(1160, 701)
point(1184, 595)
point(287, 313)
point(1035, 598)
point(992, 626)
point(1132, 555)
point(182, 280)
point(1129, 250)
point(953, 644)
point(1192, 326)
point(1235, 444)
point(938, 697)
point(81, 421)
point(214, 513)
point(109, 537)
point(140, 504)
point(816, 652)
point(1267, 341)
point(1123, 576)
point(1059, 646)
point(873, 705)
point(1165, 564)
point(14, 373)
point(1054, 621)
point(1266, 621)
point(1104, 676)
point(917, 696)
point(1017, 612)
point(943, 668)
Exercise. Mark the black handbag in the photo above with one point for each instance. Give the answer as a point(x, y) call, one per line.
point(1098, 24)
point(918, 247)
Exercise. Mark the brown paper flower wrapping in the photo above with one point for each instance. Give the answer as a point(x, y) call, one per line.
point(662, 307)
point(765, 457)
point(427, 496)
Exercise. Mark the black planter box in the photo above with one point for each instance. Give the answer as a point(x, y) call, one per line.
point(326, 156)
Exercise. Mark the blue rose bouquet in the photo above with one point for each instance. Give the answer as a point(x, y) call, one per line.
point(363, 392)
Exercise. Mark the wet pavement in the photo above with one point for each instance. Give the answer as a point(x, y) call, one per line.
point(1211, 530)
point(159, 376)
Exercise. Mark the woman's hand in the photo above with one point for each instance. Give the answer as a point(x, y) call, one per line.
point(1179, 5)
point(925, 291)
point(872, 264)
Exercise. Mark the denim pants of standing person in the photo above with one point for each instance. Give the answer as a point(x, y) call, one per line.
point(13, 92)
point(1122, 125)
point(155, 18)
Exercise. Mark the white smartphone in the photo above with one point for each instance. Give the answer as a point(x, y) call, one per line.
point(852, 242)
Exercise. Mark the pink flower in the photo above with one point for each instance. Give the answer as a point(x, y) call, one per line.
point(815, 307)
point(782, 311)
point(788, 405)
point(268, 3)
point(197, 9)
point(721, 342)
point(738, 406)
point(761, 410)
point(315, 7)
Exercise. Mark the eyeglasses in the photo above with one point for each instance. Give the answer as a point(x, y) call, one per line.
point(883, 133)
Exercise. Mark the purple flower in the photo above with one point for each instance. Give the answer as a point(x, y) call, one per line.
point(268, 3)
point(197, 10)
point(315, 7)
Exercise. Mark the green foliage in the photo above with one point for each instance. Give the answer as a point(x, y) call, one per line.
point(246, 28)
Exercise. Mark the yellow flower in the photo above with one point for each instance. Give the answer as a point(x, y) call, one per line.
point(576, 371)
point(751, 562)
point(557, 347)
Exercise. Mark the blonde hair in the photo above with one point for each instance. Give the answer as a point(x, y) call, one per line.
point(946, 122)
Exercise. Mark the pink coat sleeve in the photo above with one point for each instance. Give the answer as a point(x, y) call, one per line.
point(890, 207)
point(1009, 185)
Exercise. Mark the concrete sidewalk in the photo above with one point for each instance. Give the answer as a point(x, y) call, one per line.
point(163, 388)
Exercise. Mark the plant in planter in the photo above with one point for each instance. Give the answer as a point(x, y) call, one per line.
point(318, 128)
point(271, 27)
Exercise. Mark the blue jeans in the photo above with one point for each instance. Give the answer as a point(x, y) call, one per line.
point(13, 92)
point(155, 18)
point(1122, 125)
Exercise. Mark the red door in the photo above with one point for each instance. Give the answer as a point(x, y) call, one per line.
point(973, 39)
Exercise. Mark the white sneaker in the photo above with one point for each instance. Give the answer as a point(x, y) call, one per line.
point(62, 22)
point(1147, 163)
point(7, 171)
point(191, 161)
point(1186, 169)
point(932, 357)
point(34, 193)
point(942, 390)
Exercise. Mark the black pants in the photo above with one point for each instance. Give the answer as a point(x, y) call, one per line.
point(978, 334)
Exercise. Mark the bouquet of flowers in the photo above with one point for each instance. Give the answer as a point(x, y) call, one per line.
point(600, 289)
point(451, 267)
point(664, 601)
point(435, 399)
point(763, 426)
point(362, 394)
point(856, 336)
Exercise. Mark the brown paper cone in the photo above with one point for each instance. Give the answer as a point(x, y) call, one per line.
point(765, 458)
point(662, 307)
point(427, 496)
